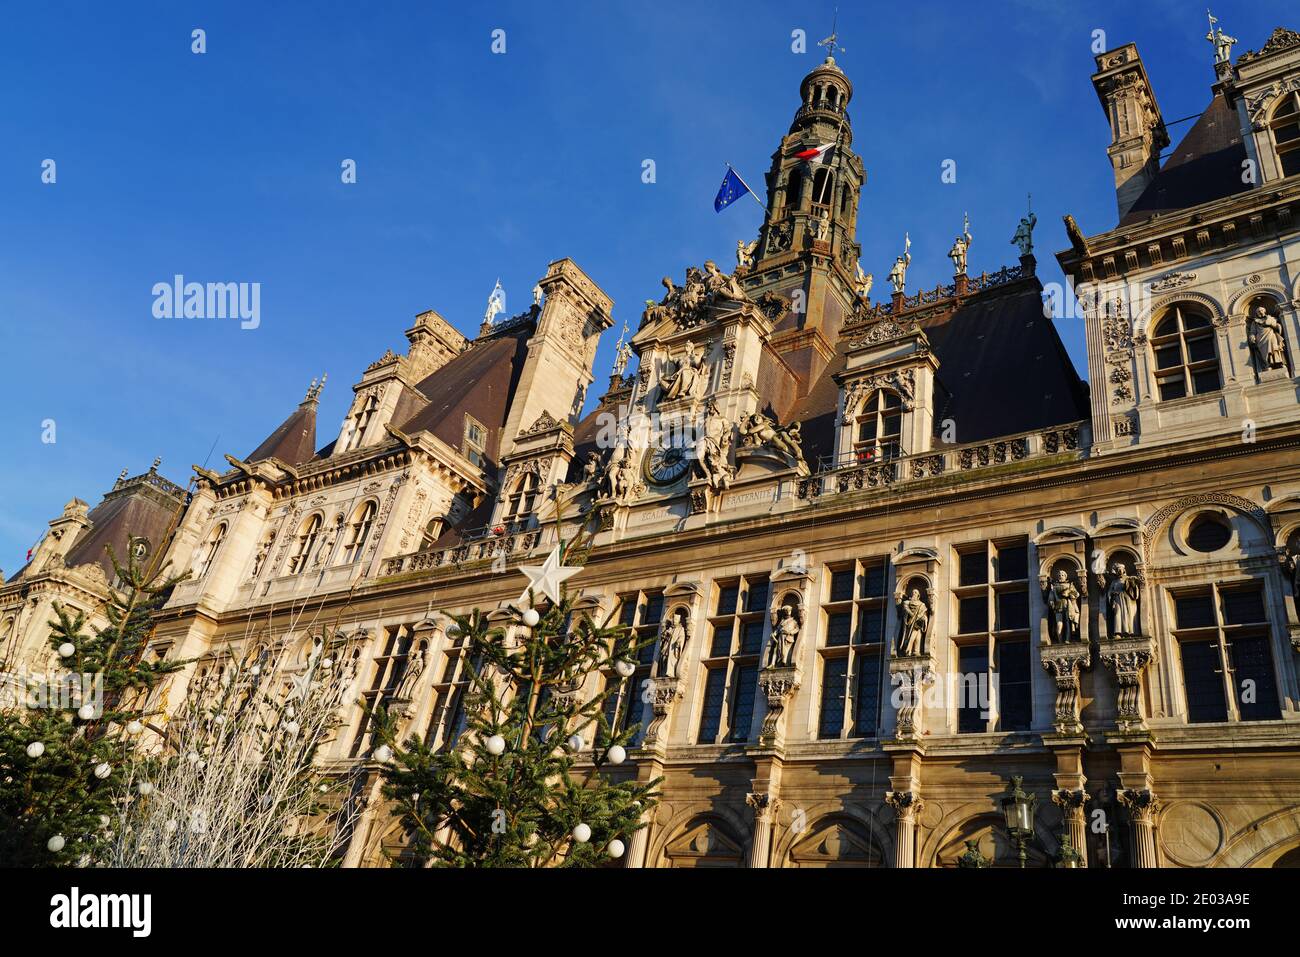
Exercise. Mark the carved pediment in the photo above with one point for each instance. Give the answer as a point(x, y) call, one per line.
point(836, 843)
point(705, 839)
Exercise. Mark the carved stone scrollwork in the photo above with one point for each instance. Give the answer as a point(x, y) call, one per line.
point(906, 804)
point(1065, 663)
point(778, 686)
point(910, 675)
point(663, 692)
point(764, 805)
point(1127, 658)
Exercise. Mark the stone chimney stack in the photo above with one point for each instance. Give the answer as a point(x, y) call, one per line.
point(1137, 130)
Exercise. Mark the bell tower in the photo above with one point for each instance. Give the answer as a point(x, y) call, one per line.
point(807, 248)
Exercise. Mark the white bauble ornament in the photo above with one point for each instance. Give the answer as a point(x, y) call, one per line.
point(327, 663)
point(615, 848)
point(291, 728)
point(219, 719)
point(496, 745)
point(453, 629)
point(103, 770)
point(582, 833)
point(171, 826)
point(383, 754)
point(104, 820)
point(256, 669)
point(67, 649)
point(194, 757)
point(575, 742)
point(531, 618)
point(617, 754)
point(145, 788)
point(56, 843)
point(134, 727)
point(36, 749)
point(624, 668)
point(86, 712)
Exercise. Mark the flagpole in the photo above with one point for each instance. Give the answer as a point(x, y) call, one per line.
point(747, 186)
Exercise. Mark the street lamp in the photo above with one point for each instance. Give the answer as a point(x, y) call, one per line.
point(1018, 809)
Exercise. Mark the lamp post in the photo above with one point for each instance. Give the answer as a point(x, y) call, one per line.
point(1018, 809)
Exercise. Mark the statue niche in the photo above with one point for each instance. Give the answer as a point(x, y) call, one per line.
point(912, 597)
point(1121, 588)
point(674, 635)
point(1062, 591)
point(787, 625)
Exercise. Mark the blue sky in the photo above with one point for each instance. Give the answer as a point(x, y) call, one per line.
point(472, 166)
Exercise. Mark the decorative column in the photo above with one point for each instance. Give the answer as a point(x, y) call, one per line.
point(1143, 808)
point(636, 845)
point(907, 805)
point(1072, 813)
point(765, 806)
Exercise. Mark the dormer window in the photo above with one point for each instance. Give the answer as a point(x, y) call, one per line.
point(362, 420)
point(1285, 124)
point(1187, 360)
point(520, 503)
point(879, 428)
point(475, 442)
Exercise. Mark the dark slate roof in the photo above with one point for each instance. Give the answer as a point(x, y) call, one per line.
point(143, 507)
point(1203, 167)
point(480, 381)
point(294, 442)
point(1002, 370)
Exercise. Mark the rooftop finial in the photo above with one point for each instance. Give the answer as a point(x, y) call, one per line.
point(830, 43)
point(313, 390)
point(156, 462)
point(1222, 42)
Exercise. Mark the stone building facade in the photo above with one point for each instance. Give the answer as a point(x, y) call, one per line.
point(913, 555)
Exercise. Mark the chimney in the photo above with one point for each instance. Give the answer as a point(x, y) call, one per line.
point(1137, 131)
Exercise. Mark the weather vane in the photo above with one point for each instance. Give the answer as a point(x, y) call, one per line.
point(830, 43)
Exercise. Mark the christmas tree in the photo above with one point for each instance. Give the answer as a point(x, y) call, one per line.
point(527, 784)
point(62, 754)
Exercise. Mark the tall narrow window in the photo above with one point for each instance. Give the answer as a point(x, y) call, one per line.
point(307, 536)
point(879, 427)
point(359, 531)
point(361, 421)
point(1285, 124)
point(389, 667)
point(642, 613)
point(735, 642)
point(853, 653)
point(209, 551)
point(1186, 358)
point(451, 682)
point(995, 679)
point(475, 442)
point(1217, 625)
point(823, 184)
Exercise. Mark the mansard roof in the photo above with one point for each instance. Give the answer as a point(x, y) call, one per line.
point(294, 442)
point(1205, 165)
point(141, 507)
point(479, 382)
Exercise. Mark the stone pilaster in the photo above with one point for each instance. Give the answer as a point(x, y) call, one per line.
point(1073, 814)
point(1143, 809)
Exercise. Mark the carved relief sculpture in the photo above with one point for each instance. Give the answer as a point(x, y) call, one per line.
point(758, 430)
point(686, 378)
point(712, 447)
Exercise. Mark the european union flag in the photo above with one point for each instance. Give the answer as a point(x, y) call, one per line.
point(732, 189)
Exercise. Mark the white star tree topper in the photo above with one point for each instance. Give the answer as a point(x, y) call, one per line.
point(548, 576)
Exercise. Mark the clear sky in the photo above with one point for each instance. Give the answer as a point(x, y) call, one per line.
point(225, 167)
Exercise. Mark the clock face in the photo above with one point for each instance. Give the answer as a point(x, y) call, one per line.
point(664, 466)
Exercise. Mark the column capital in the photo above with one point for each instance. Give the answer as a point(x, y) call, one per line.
point(906, 804)
point(1141, 804)
point(763, 803)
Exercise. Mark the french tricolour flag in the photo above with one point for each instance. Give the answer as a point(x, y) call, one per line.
point(815, 154)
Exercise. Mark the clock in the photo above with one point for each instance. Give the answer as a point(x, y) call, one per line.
point(664, 465)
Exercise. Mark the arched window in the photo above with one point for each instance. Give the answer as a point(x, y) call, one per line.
point(520, 504)
point(359, 531)
point(209, 551)
point(823, 183)
point(879, 427)
point(1285, 124)
point(306, 542)
point(793, 187)
point(1187, 360)
point(361, 420)
point(432, 532)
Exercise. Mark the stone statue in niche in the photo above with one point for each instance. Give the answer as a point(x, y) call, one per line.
point(1267, 340)
point(819, 226)
point(787, 623)
point(1062, 598)
point(1122, 591)
point(674, 633)
point(411, 677)
point(913, 623)
point(712, 448)
point(259, 558)
point(687, 377)
point(591, 467)
point(1290, 558)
